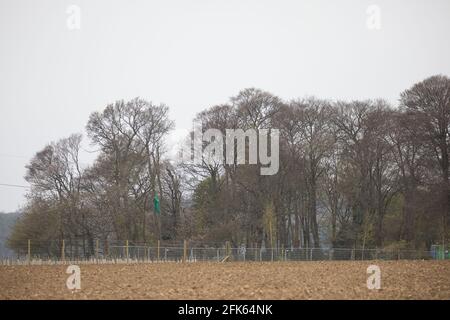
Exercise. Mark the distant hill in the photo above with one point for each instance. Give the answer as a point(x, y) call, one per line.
point(7, 221)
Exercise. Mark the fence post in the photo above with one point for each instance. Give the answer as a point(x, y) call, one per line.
point(63, 251)
point(126, 249)
point(228, 249)
point(271, 251)
point(159, 244)
point(184, 250)
point(96, 250)
point(29, 252)
point(106, 249)
point(256, 251)
point(282, 252)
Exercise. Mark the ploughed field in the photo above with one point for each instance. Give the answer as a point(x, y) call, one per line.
point(232, 280)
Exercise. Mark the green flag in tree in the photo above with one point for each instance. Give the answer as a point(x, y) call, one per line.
point(156, 204)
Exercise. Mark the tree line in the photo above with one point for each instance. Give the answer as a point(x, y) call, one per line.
point(360, 174)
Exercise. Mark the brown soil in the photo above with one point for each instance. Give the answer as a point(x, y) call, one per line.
point(251, 280)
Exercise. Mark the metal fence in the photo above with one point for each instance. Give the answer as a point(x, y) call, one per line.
point(65, 251)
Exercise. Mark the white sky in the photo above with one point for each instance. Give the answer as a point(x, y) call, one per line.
point(192, 54)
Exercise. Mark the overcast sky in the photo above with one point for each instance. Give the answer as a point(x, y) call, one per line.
point(192, 54)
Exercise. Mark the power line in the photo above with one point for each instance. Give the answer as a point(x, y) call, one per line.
point(13, 185)
point(90, 151)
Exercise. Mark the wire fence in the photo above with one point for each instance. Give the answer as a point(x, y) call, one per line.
point(101, 252)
